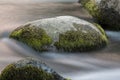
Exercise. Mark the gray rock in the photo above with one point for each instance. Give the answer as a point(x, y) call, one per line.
point(25, 66)
point(57, 27)
point(107, 12)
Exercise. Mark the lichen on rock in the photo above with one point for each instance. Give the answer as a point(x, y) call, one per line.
point(29, 69)
point(35, 37)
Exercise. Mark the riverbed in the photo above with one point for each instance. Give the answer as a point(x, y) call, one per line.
point(77, 66)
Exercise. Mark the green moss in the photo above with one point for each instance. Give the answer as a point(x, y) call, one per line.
point(81, 41)
point(93, 9)
point(24, 73)
point(100, 28)
point(107, 17)
point(33, 36)
point(104, 35)
point(29, 69)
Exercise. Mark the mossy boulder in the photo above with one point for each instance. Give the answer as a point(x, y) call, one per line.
point(29, 69)
point(68, 33)
point(35, 37)
point(83, 39)
point(106, 12)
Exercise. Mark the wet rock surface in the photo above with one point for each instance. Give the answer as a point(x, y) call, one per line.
point(107, 12)
point(67, 32)
point(29, 69)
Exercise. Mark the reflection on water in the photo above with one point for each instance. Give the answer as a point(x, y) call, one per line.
point(77, 66)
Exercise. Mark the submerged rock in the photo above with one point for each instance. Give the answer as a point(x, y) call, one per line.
point(29, 69)
point(107, 12)
point(67, 33)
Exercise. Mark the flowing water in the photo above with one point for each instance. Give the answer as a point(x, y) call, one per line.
point(98, 65)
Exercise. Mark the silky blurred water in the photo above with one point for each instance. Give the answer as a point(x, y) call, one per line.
point(32, 1)
point(98, 65)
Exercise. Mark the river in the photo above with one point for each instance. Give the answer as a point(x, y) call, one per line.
point(98, 65)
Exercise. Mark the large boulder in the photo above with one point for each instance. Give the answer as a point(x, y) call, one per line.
point(106, 12)
point(67, 33)
point(29, 69)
